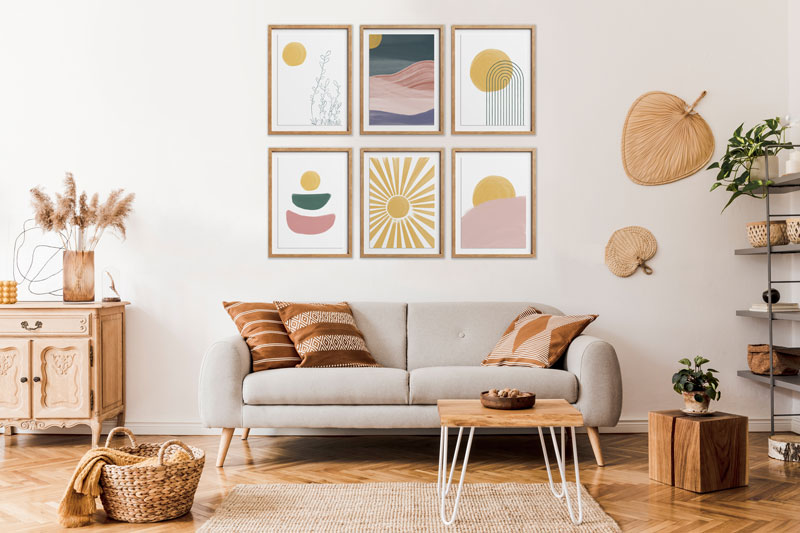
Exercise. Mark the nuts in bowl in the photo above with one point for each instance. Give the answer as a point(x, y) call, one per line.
point(507, 399)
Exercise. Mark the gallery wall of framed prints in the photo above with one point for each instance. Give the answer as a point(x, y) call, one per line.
point(401, 85)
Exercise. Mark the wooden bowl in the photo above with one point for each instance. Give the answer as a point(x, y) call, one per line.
point(525, 400)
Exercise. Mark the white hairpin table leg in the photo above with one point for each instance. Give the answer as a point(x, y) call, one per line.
point(443, 484)
point(561, 460)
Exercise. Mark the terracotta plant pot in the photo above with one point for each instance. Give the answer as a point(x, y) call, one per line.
point(695, 406)
point(78, 276)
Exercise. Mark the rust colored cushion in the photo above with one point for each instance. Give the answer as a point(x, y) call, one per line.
point(262, 329)
point(536, 340)
point(325, 335)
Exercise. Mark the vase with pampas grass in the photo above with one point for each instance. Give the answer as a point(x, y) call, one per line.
point(80, 222)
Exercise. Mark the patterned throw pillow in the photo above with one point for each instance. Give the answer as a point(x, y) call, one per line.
point(325, 335)
point(536, 340)
point(262, 329)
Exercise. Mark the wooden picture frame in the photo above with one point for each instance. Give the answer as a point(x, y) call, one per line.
point(419, 210)
point(485, 175)
point(366, 127)
point(308, 225)
point(344, 98)
point(503, 71)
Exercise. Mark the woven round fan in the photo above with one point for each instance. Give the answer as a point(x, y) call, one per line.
point(628, 249)
point(664, 139)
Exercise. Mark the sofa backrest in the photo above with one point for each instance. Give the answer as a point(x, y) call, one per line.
point(459, 333)
point(384, 327)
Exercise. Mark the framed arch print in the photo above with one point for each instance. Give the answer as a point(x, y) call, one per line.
point(493, 79)
point(401, 79)
point(308, 79)
point(401, 202)
point(494, 202)
point(309, 197)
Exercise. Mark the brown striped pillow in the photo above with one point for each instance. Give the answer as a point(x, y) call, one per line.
point(262, 329)
point(536, 340)
point(325, 334)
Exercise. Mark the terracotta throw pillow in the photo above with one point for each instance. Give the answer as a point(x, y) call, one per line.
point(262, 329)
point(536, 340)
point(325, 335)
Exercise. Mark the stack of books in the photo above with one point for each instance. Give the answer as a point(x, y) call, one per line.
point(782, 307)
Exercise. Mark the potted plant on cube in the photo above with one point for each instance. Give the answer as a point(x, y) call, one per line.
point(697, 386)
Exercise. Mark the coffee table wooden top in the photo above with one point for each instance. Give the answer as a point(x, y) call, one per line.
point(468, 413)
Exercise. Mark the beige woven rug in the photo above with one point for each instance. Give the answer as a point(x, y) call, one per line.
point(401, 507)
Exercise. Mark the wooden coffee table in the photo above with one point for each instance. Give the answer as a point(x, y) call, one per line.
point(471, 414)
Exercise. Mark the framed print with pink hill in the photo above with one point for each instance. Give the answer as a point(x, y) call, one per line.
point(309, 196)
point(401, 79)
point(494, 202)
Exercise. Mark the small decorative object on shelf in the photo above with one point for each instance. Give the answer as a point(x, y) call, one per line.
point(741, 169)
point(793, 164)
point(8, 292)
point(628, 249)
point(793, 230)
point(785, 307)
point(697, 386)
point(508, 399)
point(80, 223)
point(784, 363)
point(110, 293)
point(757, 233)
point(776, 296)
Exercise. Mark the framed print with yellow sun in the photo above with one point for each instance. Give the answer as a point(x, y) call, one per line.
point(308, 79)
point(401, 202)
point(494, 202)
point(492, 79)
point(309, 197)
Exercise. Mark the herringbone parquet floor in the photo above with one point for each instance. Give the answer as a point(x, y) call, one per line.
point(34, 469)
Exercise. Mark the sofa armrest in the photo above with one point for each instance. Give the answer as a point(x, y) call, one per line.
point(224, 367)
point(594, 362)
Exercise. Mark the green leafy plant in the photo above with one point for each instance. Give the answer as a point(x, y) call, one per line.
point(696, 380)
point(743, 149)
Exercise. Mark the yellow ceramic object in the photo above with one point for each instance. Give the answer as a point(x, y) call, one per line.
point(8, 292)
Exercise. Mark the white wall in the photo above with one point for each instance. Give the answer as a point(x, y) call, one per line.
point(168, 99)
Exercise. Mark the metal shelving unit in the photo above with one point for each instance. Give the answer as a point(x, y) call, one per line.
point(789, 183)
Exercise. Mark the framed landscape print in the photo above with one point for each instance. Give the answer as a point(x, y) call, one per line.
point(401, 79)
point(309, 202)
point(308, 83)
point(401, 202)
point(494, 202)
point(492, 79)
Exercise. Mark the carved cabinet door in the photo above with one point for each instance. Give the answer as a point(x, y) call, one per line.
point(61, 381)
point(15, 379)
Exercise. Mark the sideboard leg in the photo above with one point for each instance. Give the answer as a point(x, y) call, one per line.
point(10, 430)
point(121, 419)
point(97, 427)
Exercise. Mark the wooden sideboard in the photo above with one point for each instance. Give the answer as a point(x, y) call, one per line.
point(62, 365)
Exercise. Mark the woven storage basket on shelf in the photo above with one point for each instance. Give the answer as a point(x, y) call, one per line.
point(793, 230)
point(628, 249)
point(783, 363)
point(151, 493)
point(757, 233)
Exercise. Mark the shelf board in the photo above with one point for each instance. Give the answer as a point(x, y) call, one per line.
point(783, 249)
point(791, 315)
point(783, 382)
point(788, 183)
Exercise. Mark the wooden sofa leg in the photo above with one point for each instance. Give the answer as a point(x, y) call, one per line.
point(224, 443)
point(594, 438)
point(245, 433)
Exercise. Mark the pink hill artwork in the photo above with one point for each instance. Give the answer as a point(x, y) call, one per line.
point(407, 95)
point(495, 224)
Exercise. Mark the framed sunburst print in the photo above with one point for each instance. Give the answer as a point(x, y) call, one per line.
point(494, 202)
point(309, 196)
point(401, 202)
point(492, 79)
point(401, 79)
point(308, 79)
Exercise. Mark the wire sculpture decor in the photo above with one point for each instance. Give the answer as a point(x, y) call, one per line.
point(31, 272)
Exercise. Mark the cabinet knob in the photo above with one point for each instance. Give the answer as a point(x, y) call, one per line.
point(23, 379)
point(37, 379)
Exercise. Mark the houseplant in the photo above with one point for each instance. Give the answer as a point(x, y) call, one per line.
point(741, 169)
point(698, 387)
point(80, 222)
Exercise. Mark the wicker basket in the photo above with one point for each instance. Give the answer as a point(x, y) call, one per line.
point(150, 493)
point(783, 363)
point(757, 233)
point(793, 230)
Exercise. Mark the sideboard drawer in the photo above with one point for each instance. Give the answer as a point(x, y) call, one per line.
point(32, 324)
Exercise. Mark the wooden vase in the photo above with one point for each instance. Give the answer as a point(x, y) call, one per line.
point(78, 276)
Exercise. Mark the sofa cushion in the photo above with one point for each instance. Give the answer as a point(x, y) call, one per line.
point(384, 327)
point(326, 386)
point(427, 385)
point(459, 333)
point(261, 327)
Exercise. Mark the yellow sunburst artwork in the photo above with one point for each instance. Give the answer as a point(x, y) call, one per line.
point(402, 202)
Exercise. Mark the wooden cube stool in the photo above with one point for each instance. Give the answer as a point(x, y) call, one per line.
point(701, 454)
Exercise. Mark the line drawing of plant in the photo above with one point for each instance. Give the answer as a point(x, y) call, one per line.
point(325, 104)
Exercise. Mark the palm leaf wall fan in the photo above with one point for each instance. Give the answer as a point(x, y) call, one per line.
point(664, 139)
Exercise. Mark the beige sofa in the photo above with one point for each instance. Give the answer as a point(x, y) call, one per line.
point(428, 351)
